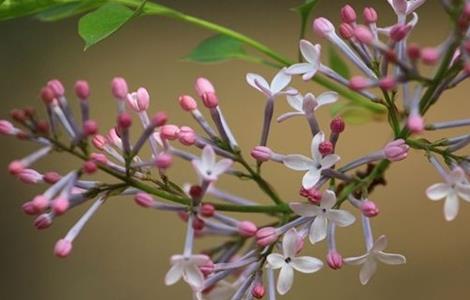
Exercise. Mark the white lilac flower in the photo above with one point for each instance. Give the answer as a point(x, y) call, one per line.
point(370, 259)
point(311, 54)
point(208, 168)
point(403, 8)
point(187, 267)
point(323, 213)
point(315, 165)
point(457, 186)
point(277, 87)
point(307, 104)
point(288, 262)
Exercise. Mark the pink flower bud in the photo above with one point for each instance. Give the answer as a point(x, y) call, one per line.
point(139, 101)
point(363, 34)
point(396, 150)
point(90, 127)
point(47, 95)
point(163, 161)
point(414, 52)
point(89, 167)
point(346, 31)
point(387, 83)
point(30, 176)
point(82, 90)
point(60, 205)
point(144, 200)
point(169, 132)
point(40, 203)
point(334, 260)
point(183, 216)
point(99, 158)
point(159, 119)
point(124, 120)
point(198, 223)
point(313, 195)
point(187, 103)
point(323, 27)
point(51, 177)
point(203, 86)
point(56, 87)
point(325, 148)
point(266, 236)
point(337, 125)
point(42, 222)
point(399, 32)
point(15, 167)
point(258, 290)
point(261, 153)
point(210, 100)
point(187, 136)
point(207, 210)
point(119, 88)
point(430, 56)
point(208, 268)
point(99, 141)
point(370, 15)
point(6, 127)
point(63, 248)
point(415, 124)
point(369, 209)
point(348, 14)
point(358, 83)
point(195, 191)
point(247, 228)
point(113, 137)
point(29, 209)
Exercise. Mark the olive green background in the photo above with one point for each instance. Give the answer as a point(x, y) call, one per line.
point(123, 252)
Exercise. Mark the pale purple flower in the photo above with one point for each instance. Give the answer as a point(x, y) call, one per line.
point(288, 262)
point(278, 85)
point(307, 104)
point(311, 54)
point(323, 213)
point(374, 254)
point(405, 7)
point(455, 187)
point(208, 168)
point(187, 267)
point(315, 165)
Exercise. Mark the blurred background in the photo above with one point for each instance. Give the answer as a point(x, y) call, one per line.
point(123, 253)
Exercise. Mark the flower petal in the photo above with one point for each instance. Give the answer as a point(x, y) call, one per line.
point(297, 162)
point(329, 161)
point(304, 209)
point(280, 81)
point(285, 279)
point(368, 270)
point(275, 260)
point(341, 217)
point(327, 98)
point(437, 191)
point(380, 244)
point(296, 101)
point(316, 141)
point(318, 230)
point(193, 276)
point(306, 264)
point(391, 258)
point(174, 274)
point(289, 243)
point(199, 259)
point(357, 260)
point(222, 166)
point(301, 68)
point(289, 115)
point(457, 175)
point(463, 190)
point(310, 52)
point(258, 82)
point(309, 75)
point(328, 199)
point(311, 178)
point(451, 206)
point(208, 157)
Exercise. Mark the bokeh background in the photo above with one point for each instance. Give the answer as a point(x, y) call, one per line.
point(123, 252)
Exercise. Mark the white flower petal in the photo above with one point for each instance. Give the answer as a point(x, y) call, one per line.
point(174, 274)
point(457, 175)
point(328, 199)
point(340, 217)
point(329, 161)
point(289, 243)
point(280, 81)
point(193, 276)
point(258, 82)
point(437, 191)
point(199, 259)
point(368, 270)
point(276, 260)
point(310, 52)
point(296, 101)
point(208, 157)
point(222, 166)
point(327, 98)
point(309, 75)
point(301, 68)
point(451, 206)
point(463, 190)
point(306, 264)
point(316, 141)
point(297, 162)
point(311, 178)
point(289, 115)
point(391, 258)
point(380, 244)
point(285, 279)
point(357, 260)
point(304, 209)
point(318, 229)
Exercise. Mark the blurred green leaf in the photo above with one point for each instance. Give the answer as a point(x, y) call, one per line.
point(10, 9)
point(337, 63)
point(304, 10)
point(101, 23)
point(354, 114)
point(65, 10)
point(217, 48)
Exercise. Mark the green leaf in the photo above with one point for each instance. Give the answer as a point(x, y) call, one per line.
point(354, 114)
point(304, 10)
point(337, 63)
point(101, 23)
point(217, 48)
point(66, 10)
point(11, 9)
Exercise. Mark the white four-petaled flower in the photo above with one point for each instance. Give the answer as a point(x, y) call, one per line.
point(369, 260)
point(315, 165)
point(311, 54)
point(288, 262)
point(187, 267)
point(456, 186)
point(277, 87)
point(207, 167)
point(323, 214)
point(307, 104)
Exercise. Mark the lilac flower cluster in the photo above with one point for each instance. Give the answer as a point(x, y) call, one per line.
point(242, 266)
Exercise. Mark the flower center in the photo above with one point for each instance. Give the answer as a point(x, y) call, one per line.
point(288, 260)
